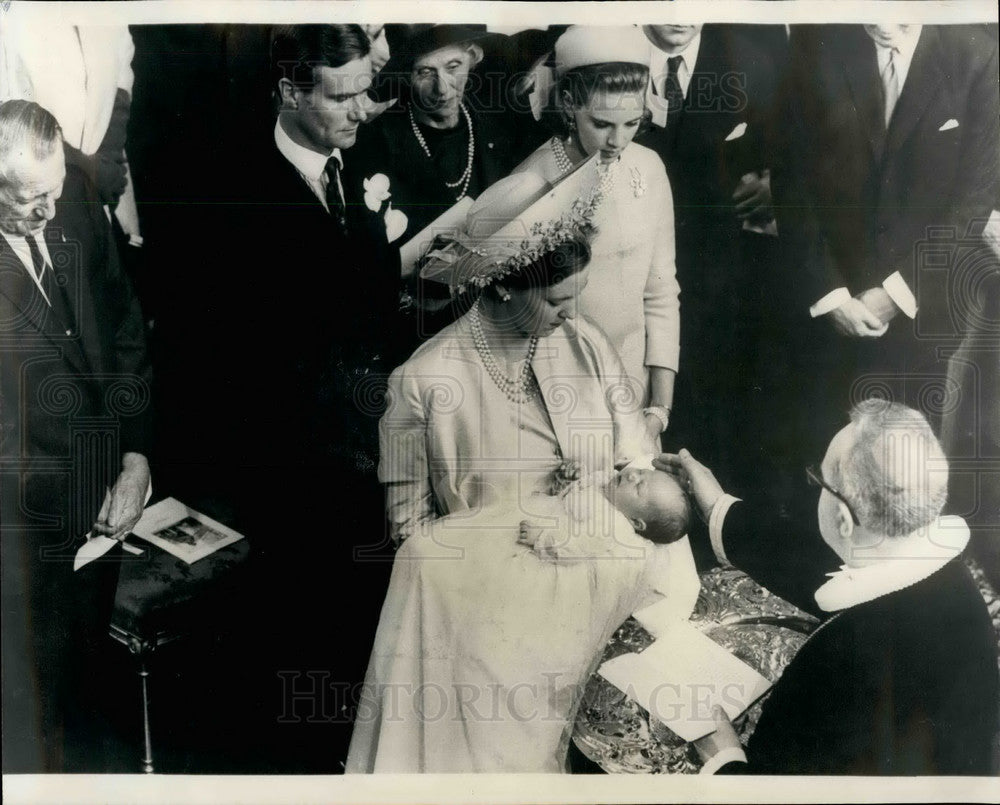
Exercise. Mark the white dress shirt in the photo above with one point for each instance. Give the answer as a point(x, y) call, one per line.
point(658, 65)
point(310, 164)
point(656, 100)
point(894, 284)
point(20, 246)
point(905, 49)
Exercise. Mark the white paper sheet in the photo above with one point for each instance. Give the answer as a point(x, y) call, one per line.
point(681, 676)
point(182, 531)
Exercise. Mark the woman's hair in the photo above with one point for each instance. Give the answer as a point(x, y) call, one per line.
point(566, 259)
point(582, 83)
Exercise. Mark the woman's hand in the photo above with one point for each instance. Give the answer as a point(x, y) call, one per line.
point(653, 428)
point(696, 479)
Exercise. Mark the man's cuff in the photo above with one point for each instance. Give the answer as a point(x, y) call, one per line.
point(901, 294)
point(731, 755)
point(830, 302)
point(715, 521)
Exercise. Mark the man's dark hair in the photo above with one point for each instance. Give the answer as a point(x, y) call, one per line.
point(297, 49)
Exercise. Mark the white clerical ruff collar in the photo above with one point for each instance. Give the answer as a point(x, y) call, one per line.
point(929, 550)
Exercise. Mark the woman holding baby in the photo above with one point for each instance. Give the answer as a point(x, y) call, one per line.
point(502, 593)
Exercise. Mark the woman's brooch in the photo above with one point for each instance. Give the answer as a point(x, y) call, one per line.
point(638, 182)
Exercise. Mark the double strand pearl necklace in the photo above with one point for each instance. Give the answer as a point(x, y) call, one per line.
point(562, 158)
point(466, 176)
point(608, 171)
point(518, 390)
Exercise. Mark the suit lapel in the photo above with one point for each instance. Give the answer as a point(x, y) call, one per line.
point(861, 67)
point(920, 88)
point(35, 315)
point(22, 292)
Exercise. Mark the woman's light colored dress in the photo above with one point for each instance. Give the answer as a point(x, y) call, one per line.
point(483, 647)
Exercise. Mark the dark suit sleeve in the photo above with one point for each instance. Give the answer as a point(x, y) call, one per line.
point(788, 558)
point(978, 169)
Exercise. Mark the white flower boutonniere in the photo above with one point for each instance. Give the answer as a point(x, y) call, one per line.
point(376, 191)
point(376, 194)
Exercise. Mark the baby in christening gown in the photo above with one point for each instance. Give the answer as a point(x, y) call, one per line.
point(595, 514)
point(497, 618)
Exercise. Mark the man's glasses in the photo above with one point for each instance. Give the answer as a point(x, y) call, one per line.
point(815, 478)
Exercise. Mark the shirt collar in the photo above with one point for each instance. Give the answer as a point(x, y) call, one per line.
point(658, 60)
point(904, 52)
point(928, 550)
point(309, 163)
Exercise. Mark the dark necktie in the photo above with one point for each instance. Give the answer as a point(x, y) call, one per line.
point(674, 96)
point(56, 294)
point(334, 201)
point(672, 86)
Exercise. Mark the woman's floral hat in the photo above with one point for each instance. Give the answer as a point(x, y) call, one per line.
point(513, 223)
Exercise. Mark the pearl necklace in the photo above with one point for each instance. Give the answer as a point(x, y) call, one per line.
point(518, 390)
point(466, 176)
point(562, 158)
point(608, 171)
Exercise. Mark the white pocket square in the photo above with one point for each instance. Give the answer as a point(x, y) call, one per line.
point(951, 124)
point(740, 130)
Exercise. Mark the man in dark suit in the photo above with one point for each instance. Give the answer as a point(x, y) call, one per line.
point(75, 435)
point(901, 676)
point(446, 138)
point(712, 90)
point(291, 347)
point(895, 131)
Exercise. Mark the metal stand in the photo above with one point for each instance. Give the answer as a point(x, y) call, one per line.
point(147, 761)
point(142, 650)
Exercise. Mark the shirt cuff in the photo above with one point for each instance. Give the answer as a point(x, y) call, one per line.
point(901, 294)
point(715, 521)
point(830, 302)
point(731, 755)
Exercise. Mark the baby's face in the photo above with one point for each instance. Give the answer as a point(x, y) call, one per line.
point(645, 494)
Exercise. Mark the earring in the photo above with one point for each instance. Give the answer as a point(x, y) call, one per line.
point(571, 124)
point(505, 297)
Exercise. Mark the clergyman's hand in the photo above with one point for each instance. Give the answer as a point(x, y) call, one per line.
point(694, 477)
point(854, 319)
point(724, 737)
point(123, 506)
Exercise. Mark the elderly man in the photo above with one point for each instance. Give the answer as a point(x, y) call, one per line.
point(76, 430)
point(901, 677)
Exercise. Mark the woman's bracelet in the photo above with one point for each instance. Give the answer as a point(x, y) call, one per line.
point(661, 412)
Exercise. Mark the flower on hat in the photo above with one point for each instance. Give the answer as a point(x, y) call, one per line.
point(507, 257)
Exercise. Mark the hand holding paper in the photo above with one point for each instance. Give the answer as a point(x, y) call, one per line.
point(123, 503)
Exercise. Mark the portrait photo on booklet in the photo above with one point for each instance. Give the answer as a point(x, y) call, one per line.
point(482, 401)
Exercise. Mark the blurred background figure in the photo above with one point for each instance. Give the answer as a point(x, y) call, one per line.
point(83, 75)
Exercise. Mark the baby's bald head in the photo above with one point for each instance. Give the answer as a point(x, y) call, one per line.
point(654, 502)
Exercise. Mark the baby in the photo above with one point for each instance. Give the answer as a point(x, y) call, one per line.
point(652, 505)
